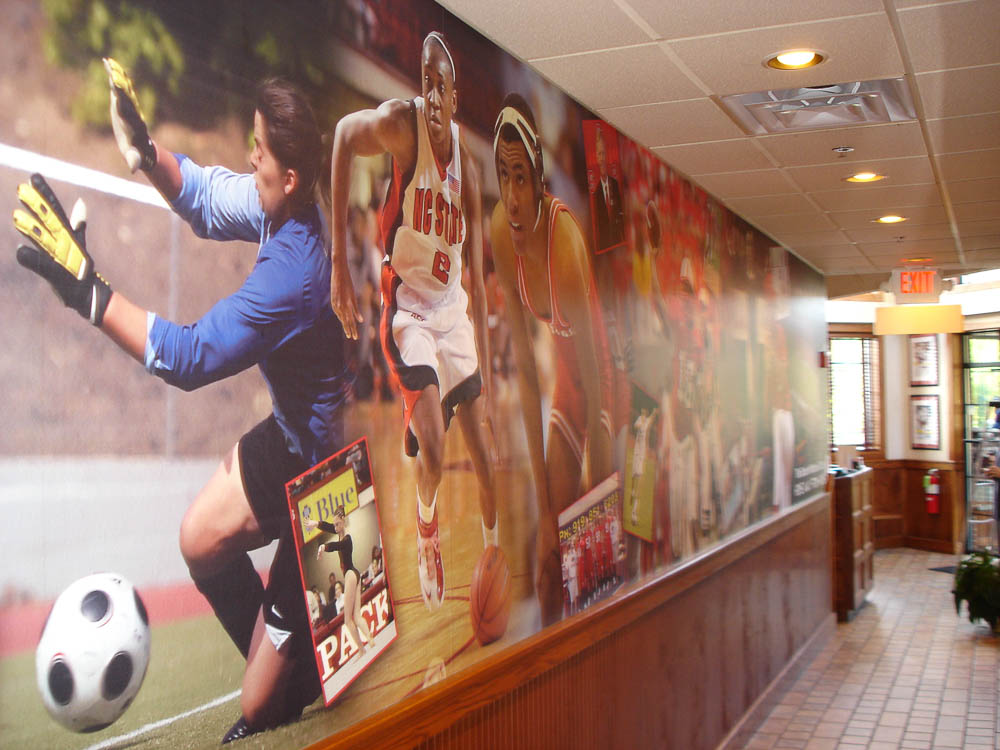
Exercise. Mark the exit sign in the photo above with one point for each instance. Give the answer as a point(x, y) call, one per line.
point(915, 285)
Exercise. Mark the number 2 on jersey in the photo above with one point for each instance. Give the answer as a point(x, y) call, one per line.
point(441, 267)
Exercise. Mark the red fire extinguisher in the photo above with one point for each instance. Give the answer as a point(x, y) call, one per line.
point(932, 491)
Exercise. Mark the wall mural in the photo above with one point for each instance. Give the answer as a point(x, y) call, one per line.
point(566, 368)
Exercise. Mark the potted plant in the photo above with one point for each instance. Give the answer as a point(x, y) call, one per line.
point(977, 582)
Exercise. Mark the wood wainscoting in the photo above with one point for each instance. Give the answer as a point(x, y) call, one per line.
point(900, 511)
point(688, 660)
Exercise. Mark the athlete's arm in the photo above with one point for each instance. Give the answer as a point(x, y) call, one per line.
point(473, 209)
point(365, 133)
point(527, 371)
point(573, 278)
point(237, 332)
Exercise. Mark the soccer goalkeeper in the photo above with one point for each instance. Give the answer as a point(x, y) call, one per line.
point(280, 319)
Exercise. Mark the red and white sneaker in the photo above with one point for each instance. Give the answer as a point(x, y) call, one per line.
point(430, 568)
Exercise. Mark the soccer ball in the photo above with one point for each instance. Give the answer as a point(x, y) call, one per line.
point(93, 652)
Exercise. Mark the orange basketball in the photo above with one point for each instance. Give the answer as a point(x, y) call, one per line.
point(489, 595)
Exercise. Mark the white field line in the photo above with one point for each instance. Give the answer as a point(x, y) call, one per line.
point(56, 169)
point(113, 741)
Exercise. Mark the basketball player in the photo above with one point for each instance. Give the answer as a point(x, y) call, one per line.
point(432, 216)
point(543, 267)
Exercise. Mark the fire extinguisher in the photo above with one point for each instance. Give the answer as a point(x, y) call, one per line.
point(932, 491)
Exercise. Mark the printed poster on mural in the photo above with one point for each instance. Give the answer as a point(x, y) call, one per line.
point(342, 563)
point(591, 546)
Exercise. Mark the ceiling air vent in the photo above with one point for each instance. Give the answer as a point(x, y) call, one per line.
point(834, 105)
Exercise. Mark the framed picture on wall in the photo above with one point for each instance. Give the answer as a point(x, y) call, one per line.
point(925, 423)
point(924, 359)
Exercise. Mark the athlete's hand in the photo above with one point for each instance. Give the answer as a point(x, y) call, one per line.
point(309, 523)
point(320, 550)
point(58, 252)
point(343, 300)
point(127, 121)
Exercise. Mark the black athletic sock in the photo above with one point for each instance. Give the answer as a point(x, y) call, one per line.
point(235, 593)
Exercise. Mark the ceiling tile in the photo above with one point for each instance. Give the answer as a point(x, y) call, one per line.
point(907, 247)
point(871, 142)
point(544, 28)
point(984, 242)
point(970, 165)
point(845, 265)
point(978, 211)
point(829, 251)
point(674, 20)
point(957, 134)
point(889, 233)
point(794, 223)
point(746, 184)
point(671, 123)
point(952, 93)
point(915, 216)
point(910, 170)
point(857, 197)
point(801, 241)
point(607, 79)
point(718, 156)
point(979, 228)
point(951, 35)
point(989, 258)
point(860, 48)
point(769, 205)
point(971, 191)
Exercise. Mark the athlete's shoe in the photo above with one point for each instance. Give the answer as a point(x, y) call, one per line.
point(238, 731)
point(430, 568)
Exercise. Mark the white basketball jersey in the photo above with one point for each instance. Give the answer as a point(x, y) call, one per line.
point(423, 223)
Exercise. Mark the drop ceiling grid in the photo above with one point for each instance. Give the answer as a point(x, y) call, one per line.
point(603, 51)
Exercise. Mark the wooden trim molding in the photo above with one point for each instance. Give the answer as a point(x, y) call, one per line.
point(445, 704)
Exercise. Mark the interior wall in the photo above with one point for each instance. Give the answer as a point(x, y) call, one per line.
point(896, 399)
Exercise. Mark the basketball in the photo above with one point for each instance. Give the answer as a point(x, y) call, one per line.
point(489, 595)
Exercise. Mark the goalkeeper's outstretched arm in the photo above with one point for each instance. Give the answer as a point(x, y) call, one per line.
point(57, 251)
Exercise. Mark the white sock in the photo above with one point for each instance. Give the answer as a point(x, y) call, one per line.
point(426, 511)
point(491, 536)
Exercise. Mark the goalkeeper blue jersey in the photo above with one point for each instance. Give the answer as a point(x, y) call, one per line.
point(279, 319)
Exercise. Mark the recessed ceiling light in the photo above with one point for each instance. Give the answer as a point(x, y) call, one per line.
point(795, 59)
point(890, 219)
point(865, 177)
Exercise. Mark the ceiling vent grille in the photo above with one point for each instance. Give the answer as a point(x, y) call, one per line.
point(834, 105)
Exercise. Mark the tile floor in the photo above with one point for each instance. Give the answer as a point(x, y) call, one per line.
point(906, 672)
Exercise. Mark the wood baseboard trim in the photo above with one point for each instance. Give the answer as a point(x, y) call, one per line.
point(929, 545)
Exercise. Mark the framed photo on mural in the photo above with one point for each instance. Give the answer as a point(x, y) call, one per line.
point(923, 359)
point(925, 423)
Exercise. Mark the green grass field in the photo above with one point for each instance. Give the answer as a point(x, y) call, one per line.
point(192, 663)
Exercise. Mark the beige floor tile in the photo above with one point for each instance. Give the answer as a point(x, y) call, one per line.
point(905, 673)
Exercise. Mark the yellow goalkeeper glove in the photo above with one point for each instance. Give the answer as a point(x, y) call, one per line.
point(58, 252)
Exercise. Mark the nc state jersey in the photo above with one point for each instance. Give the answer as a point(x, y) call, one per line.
point(423, 225)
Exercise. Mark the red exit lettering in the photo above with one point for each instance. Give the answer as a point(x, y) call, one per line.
point(916, 282)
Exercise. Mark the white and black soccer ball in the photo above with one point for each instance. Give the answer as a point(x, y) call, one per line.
point(93, 653)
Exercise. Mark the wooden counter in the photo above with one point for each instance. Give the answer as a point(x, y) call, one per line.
point(853, 542)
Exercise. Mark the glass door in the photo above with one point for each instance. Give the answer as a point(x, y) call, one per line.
point(981, 385)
